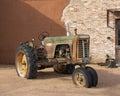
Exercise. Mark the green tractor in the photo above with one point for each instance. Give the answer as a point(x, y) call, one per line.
point(62, 53)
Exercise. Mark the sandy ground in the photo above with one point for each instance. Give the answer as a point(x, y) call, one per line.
point(49, 83)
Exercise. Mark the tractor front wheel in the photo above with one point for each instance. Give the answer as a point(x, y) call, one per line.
point(82, 78)
point(94, 75)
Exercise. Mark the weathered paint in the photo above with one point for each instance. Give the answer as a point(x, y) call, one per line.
point(60, 38)
point(72, 41)
point(52, 42)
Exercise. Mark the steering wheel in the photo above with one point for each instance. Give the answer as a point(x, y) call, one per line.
point(43, 35)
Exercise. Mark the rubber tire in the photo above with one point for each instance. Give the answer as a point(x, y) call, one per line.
point(86, 75)
point(69, 69)
point(65, 69)
point(59, 68)
point(32, 68)
point(94, 75)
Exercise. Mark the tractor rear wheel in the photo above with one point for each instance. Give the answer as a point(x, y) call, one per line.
point(59, 68)
point(25, 62)
point(94, 76)
point(81, 78)
point(69, 69)
point(64, 69)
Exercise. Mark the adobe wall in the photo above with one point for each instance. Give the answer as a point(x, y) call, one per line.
point(21, 20)
point(90, 17)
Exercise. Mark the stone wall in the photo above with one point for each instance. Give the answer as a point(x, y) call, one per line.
point(90, 17)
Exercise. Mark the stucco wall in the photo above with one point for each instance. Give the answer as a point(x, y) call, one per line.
point(21, 20)
point(90, 17)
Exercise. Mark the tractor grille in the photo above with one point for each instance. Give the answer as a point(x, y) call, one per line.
point(83, 48)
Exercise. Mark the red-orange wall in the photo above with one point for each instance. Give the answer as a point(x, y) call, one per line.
point(20, 20)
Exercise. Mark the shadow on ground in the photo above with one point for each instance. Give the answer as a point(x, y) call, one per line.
point(51, 74)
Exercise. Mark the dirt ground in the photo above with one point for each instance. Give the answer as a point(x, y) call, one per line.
point(49, 83)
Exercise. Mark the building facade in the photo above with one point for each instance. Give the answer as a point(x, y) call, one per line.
point(99, 19)
point(21, 20)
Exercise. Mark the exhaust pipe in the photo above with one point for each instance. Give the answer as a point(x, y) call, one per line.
point(68, 33)
point(75, 30)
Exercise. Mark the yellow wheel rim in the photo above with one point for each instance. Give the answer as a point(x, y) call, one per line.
point(80, 79)
point(21, 63)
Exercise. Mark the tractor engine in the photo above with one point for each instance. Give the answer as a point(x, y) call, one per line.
point(62, 51)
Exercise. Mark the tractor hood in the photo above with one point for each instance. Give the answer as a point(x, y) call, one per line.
point(65, 38)
point(60, 38)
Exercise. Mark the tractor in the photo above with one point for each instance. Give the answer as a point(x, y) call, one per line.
point(66, 54)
